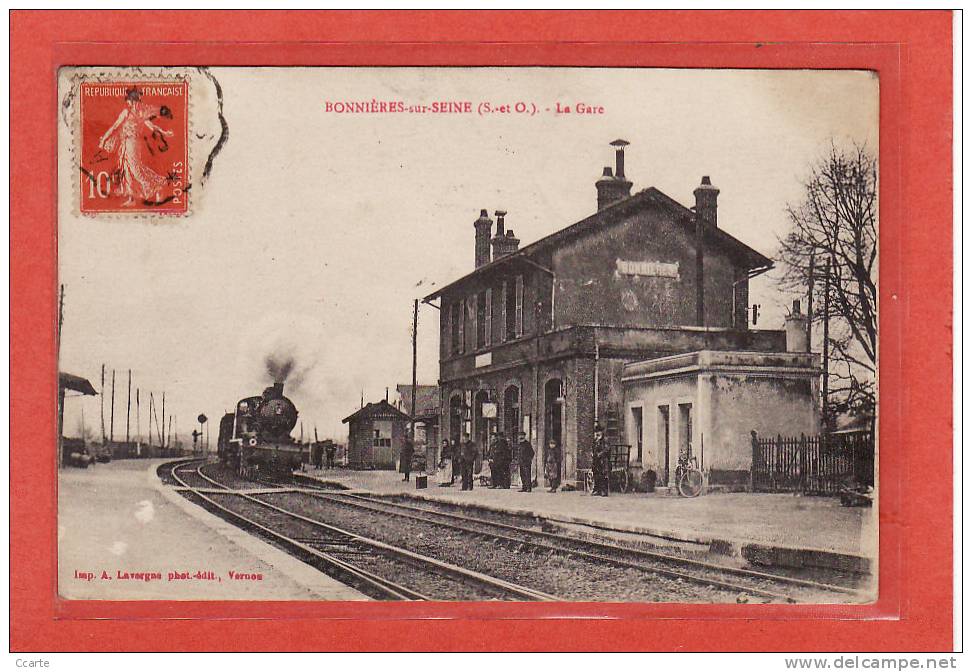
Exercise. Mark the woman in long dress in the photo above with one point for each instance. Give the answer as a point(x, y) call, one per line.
point(137, 179)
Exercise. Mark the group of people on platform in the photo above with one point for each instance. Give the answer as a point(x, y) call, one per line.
point(322, 450)
point(500, 455)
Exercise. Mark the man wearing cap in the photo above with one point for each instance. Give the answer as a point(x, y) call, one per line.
point(524, 456)
point(467, 457)
point(602, 463)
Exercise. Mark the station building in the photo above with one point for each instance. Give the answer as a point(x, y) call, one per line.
point(538, 338)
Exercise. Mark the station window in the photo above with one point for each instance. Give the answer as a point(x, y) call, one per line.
point(480, 313)
point(513, 312)
point(637, 431)
point(488, 317)
point(458, 327)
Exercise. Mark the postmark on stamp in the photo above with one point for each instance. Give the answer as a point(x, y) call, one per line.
point(134, 147)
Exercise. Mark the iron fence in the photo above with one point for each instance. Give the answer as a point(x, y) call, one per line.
point(819, 464)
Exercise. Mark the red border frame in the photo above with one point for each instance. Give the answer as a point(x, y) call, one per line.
point(911, 50)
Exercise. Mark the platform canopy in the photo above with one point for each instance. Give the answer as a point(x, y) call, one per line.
point(68, 381)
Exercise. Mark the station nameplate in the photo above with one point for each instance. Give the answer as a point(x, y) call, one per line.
point(657, 269)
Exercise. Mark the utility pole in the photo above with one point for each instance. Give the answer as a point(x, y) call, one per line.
point(138, 418)
point(414, 363)
point(810, 305)
point(112, 434)
point(162, 434)
point(60, 388)
point(128, 411)
point(102, 404)
point(151, 413)
point(826, 345)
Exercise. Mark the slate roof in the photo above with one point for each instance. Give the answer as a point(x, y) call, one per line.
point(426, 398)
point(635, 202)
point(381, 410)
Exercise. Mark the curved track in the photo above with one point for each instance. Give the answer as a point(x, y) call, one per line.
point(353, 558)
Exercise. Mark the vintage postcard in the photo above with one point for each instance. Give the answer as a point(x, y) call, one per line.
point(468, 334)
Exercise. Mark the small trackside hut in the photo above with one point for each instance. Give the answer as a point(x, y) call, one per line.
point(536, 338)
point(376, 433)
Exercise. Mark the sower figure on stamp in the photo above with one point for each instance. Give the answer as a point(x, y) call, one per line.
point(551, 465)
point(137, 179)
point(524, 455)
point(602, 463)
point(468, 460)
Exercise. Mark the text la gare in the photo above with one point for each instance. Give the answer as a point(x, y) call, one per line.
point(578, 108)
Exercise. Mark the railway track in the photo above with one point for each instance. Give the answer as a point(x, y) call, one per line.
point(378, 569)
point(778, 588)
point(720, 580)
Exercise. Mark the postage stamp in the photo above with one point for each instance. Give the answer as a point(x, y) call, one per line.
point(134, 147)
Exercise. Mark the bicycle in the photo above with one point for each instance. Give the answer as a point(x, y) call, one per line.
point(688, 477)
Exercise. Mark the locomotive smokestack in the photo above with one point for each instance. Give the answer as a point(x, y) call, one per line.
point(276, 391)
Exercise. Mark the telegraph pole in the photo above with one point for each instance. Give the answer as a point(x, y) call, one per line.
point(102, 404)
point(162, 433)
point(111, 436)
point(810, 305)
point(128, 411)
point(826, 345)
point(414, 362)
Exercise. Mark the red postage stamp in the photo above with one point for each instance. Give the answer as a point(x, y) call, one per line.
point(134, 147)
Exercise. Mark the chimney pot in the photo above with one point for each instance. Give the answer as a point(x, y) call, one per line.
point(612, 188)
point(500, 222)
point(796, 306)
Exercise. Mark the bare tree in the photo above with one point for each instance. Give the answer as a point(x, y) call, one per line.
point(835, 227)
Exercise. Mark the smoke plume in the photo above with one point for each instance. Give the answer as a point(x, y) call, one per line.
point(279, 366)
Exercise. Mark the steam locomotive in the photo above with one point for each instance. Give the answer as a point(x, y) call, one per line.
point(255, 439)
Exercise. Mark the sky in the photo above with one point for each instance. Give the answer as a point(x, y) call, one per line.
point(315, 230)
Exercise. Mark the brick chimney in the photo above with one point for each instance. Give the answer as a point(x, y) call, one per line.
point(483, 227)
point(706, 202)
point(613, 187)
point(504, 242)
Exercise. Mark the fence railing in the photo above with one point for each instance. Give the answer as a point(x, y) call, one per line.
point(815, 465)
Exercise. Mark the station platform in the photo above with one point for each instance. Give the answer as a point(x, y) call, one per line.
point(782, 529)
point(119, 527)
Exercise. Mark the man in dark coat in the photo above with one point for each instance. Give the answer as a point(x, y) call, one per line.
point(504, 456)
point(551, 465)
point(602, 463)
point(330, 449)
point(467, 456)
point(405, 457)
point(493, 454)
point(524, 455)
